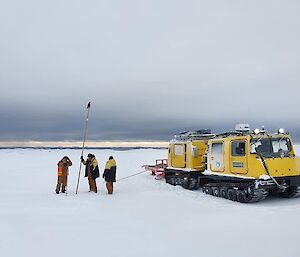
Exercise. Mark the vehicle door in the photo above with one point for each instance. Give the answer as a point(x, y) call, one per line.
point(238, 159)
point(179, 159)
point(217, 157)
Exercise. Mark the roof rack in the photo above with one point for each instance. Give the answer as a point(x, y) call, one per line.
point(232, 133)
point(202, 134)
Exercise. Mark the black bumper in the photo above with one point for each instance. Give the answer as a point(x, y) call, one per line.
point(292, 181)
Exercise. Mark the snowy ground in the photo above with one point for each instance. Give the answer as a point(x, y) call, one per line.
point(144, 217)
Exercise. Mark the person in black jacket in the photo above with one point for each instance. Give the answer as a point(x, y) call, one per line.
point(91, 171)
point(110, 174)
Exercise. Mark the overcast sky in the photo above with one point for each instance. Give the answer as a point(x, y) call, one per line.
point(151, 68)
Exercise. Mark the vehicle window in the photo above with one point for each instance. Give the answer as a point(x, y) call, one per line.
point(238, 148)
point(270, 147)
point(261, 145)
point(280, 145)
point(217, 149)
point(194, 151)
point(178, 149)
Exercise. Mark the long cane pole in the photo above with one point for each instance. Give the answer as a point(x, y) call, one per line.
point(83, 142)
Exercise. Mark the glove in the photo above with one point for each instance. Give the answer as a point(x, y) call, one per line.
point(81, 158)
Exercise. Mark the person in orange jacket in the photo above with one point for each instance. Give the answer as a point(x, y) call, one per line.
point(62, 174)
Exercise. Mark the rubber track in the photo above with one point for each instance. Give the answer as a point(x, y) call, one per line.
point(191, 185)
point(256, 195)
point(297, 193)
point(294, 194)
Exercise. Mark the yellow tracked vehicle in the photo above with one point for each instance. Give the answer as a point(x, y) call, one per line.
point(242, 165)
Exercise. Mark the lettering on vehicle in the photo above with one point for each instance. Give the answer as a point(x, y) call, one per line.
point(238, 164)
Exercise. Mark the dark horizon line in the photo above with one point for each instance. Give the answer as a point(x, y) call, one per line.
point(80, 148)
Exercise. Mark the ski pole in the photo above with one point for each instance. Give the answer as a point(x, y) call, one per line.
point(83, 142)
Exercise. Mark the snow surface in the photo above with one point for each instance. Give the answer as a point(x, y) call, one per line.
point(145, 217)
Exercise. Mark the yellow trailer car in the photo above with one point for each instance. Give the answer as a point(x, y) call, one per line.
point(187, 158)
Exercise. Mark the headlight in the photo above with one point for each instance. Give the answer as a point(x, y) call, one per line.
point(280, 131)
point(256, 131)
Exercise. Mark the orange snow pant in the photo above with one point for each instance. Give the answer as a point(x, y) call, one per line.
point(110, 187)
point(92, 183)
point(61, 183)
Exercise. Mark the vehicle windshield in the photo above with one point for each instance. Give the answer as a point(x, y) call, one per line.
point(271, 147)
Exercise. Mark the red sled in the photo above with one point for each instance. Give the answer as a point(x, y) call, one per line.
point(157, 170)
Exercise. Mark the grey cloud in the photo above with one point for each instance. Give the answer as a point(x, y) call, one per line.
point(150, 68)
